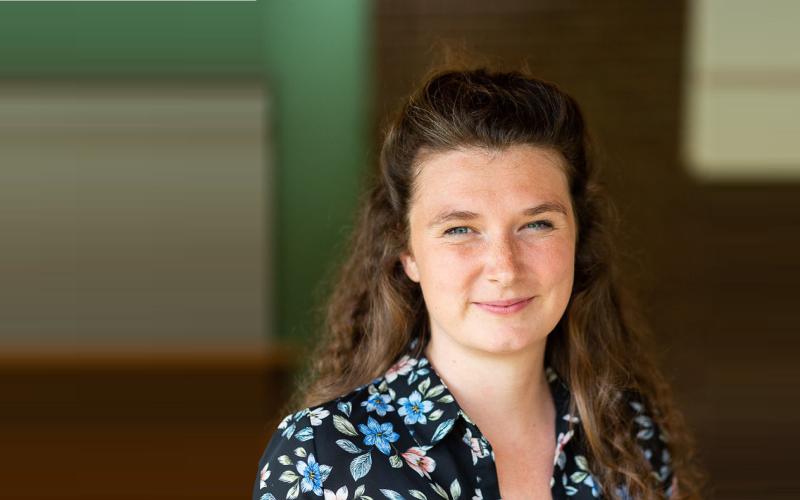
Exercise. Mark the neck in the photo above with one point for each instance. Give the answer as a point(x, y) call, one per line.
point(502, 393)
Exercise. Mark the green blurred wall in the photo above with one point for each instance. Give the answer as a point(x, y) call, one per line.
point(322, 93)
point(314, 56)
point(150, 39)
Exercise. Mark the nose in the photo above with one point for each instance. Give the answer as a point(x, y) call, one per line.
point(502, 265)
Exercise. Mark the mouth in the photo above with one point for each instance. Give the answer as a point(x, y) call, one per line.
point(509, 306)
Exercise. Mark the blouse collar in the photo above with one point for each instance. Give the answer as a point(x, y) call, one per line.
point(413, 377)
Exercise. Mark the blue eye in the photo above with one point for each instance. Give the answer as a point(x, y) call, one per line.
point(540, 224)
point(458, 230)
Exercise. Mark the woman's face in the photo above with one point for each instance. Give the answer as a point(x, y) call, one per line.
point(492, 245)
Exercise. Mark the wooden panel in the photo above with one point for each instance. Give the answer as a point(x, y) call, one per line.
point(162, 430)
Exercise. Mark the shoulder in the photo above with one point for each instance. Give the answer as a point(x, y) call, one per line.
point(292, 465)
point(280, 469)
point(322, 449)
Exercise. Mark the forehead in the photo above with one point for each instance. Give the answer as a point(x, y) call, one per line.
point(517, 174)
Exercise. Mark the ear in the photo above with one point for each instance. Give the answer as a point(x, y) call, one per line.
point(410, 266)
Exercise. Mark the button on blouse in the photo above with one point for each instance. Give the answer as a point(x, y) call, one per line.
point(403, 436)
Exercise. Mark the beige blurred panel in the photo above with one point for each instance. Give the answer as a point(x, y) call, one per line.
point(134, 218)
point(742, 90)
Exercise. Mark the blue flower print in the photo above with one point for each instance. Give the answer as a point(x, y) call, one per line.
point(414, 408)
point(314, 475)
point(288, 430)
point(582, 475)
point(379, 403)
point(623, 493)
point(388, 438)
point(420, 371)
point(380, 435)
point(595, 487)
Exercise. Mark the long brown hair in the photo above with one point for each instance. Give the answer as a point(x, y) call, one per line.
point(597, 347)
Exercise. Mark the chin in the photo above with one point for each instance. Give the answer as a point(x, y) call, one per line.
point(508, 342)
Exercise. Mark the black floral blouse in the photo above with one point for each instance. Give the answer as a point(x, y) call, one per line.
point(403, 436)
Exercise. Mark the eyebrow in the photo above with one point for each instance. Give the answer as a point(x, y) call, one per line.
point(450, 215)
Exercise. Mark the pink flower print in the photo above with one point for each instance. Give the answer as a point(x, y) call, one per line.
point(402, 367)
point(559, 457)
point(476, 446)
point(417, 460)
point(265, 473)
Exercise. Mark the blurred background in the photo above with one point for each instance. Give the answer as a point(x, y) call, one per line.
point(177, 181)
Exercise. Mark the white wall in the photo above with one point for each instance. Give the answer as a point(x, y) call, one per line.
point(134, 218)
point(742, 113)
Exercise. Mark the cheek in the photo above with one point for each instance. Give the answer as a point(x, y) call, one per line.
point(450, 269)
point(564, 260)
point(554, 263)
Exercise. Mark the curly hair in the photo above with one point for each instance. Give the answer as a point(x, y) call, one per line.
point(597, 346)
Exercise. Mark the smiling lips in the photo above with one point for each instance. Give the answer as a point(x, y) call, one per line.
point(504, 306)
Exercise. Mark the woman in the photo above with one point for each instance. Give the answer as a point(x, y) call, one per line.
point(476, 345)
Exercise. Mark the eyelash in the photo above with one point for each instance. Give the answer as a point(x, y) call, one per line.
point(452, 231)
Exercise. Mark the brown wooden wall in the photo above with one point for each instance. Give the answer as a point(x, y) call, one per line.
point(715, 265)
point(94, 429)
